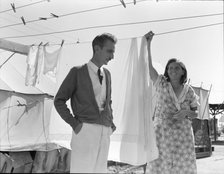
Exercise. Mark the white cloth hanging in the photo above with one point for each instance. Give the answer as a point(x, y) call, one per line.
point(148, 103)
point(51, 61)
point(34, 63)
point(134, 141)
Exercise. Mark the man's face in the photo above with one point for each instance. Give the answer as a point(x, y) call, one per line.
point(106, 53)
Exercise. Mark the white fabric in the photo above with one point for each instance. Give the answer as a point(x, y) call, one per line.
point(90, 149)
point(51, 61)
point(34, 64)
point(40, 57)
point(203, 110)
point(31, 66)
point(148, 103)
point(99, 90)
point(134, 141)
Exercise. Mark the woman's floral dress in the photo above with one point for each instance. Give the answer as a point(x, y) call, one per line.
point(174, 138)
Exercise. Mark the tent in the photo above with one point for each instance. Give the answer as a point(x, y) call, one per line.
point(25, 115)
point(20, 107)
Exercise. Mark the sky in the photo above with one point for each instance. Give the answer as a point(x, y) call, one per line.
point(200, 49)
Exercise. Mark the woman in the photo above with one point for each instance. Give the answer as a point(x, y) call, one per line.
point(176, 106)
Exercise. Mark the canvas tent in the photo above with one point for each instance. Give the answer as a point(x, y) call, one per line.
point(22, 108)
point(24, 127)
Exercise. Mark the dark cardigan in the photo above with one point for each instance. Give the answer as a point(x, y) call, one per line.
point(77, 86)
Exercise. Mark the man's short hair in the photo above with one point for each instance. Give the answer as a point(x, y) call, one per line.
point(101, 40)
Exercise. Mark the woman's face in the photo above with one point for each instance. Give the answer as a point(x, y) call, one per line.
point(175, 71)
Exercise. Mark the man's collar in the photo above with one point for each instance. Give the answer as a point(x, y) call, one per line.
point(92, 66)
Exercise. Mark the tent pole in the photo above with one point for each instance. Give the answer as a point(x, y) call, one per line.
point(7, 60)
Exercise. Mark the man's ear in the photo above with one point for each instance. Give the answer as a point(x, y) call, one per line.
point(96, 48)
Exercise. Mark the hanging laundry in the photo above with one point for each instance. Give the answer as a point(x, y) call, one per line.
point(31, 63)
point(147, 94)
point(51, 62)
point(34, 64)
point(134, 141)
point(40, 57)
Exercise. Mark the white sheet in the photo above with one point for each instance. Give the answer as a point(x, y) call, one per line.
point(134, 140)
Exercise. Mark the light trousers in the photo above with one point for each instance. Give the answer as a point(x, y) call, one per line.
point(90, 149)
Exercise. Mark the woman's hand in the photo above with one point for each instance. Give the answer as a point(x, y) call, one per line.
point(149, 36)
point(152, 71)
point(183, 114)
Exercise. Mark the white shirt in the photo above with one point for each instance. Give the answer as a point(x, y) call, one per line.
point(99, 90)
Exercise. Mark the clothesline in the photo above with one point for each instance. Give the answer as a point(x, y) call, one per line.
point(156, 34)
point(64, 15)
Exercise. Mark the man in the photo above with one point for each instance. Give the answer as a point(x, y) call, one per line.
point(89, 89)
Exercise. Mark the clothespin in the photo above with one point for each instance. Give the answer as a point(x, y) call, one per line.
point(188, 81)
point(62, 42)
point(54, 15)
point(134, 2)
point(40, 44)
point(123, 3)
point(24, 22)
point(46, 44)
point(13, 7)
point(77, 41)
point(41, 18)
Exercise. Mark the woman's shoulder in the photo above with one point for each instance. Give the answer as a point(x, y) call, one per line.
point(161, 80)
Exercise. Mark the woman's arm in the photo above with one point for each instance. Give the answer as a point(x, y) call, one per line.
point(152, 71)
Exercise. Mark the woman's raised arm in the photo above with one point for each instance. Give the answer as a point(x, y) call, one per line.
point(152, 71)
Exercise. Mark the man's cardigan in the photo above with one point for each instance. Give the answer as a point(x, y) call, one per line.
point(77, 86)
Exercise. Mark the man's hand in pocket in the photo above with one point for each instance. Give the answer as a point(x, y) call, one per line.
point(78, 128)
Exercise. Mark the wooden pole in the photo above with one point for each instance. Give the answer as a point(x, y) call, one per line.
point(14, 47)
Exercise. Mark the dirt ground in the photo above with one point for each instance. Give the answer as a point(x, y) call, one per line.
point(213, 164)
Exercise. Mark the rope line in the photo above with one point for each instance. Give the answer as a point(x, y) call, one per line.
point(104, 26)
point(23, 6)
point(68, 14)
point(163, 33)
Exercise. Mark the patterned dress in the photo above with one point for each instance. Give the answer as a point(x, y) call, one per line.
point(174, 138)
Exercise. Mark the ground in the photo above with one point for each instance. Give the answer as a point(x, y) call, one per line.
point(207, 165)
point(213, 164)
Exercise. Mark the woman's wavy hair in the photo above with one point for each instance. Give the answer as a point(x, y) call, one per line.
point(183, 79)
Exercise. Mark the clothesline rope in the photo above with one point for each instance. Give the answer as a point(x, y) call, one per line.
point(156, 34)
point(23, 6)
point(73, 13)
point(111, 25)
